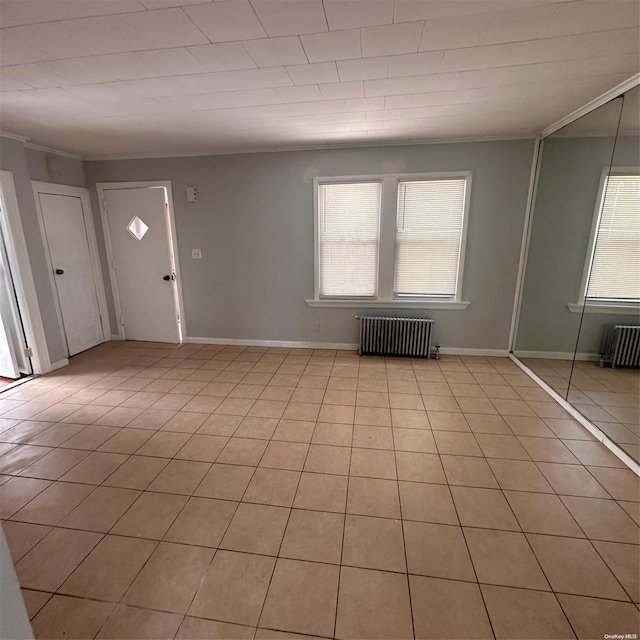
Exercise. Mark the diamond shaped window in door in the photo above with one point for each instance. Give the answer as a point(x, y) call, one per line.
point(137, 228)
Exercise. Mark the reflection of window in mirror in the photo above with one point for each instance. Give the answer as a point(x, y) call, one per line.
point(612, 269)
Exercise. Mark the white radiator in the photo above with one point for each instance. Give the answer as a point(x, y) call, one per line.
point(395, 336)
point(622, 345)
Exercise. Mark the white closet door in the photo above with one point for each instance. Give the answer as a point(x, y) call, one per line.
point(140, 236)
point(66, 236)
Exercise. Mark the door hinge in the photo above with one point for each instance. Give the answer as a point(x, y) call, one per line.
point(122, 320)
point(28, 352)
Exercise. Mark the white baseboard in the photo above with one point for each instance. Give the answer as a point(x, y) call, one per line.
point(556, 355)
point(348, 346)
point(59, 364)
point(589, 426)
point(116, 337)
point(490, 353)
point(276, 343)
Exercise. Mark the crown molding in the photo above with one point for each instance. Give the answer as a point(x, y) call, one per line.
point(12, 136)
point(58, 152)
point(616, 91)
point(315, 147)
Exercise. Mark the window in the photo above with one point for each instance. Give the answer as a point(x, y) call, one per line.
point(391, 240)
point(614, 270)
point(429, 237)
point(349, 231)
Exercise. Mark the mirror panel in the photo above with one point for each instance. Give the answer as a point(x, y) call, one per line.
point(570, 164)
point(603, 387)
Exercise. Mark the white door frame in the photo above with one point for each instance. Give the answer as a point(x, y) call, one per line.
point(83, 194)
point(101, 187)
point(25, 367)
point(23, 276)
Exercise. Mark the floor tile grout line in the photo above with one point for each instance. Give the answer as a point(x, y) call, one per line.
point(168, 459)
point(614, 573)
point(20, 472)
point(560, 495)
point(538, 562)
point(344, 528)
point(99, 449)
point(466, 544)
point(121, 535)
point(227, 528)
point(284, 532)
point(404, 540)
point(126, 589)
point(215, 551)
point(96, 421)
point(85, 556)
point(396, 573)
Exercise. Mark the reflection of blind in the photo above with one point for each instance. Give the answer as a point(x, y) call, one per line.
point(429, 237)
point(349, 230)
point(615, 268)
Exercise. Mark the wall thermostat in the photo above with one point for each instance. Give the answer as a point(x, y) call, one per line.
point(192, 194)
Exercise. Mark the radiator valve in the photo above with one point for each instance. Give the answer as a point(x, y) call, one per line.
point(435, 352)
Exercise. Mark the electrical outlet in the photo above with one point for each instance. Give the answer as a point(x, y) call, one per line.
point(196, 254)
point(316, 327)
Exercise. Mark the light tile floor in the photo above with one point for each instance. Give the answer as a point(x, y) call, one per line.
point(154, 491)
point(610, 398)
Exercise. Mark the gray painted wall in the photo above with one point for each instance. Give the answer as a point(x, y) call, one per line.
point(254, 224)
point(13, 157)
point(561, 227)
point(70, 170)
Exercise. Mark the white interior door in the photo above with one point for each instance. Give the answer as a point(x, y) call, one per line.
point(140, 236)
point(66, 237)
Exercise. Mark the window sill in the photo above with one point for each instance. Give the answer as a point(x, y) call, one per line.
point(609, 307)
point(388, 304)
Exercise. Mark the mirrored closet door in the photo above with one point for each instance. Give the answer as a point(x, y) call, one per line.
point(579, 325)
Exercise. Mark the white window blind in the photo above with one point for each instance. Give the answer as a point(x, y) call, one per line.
point(348, 234)
point(429, 237)
point(615, 266)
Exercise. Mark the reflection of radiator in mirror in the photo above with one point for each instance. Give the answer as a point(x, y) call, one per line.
point(621, 346)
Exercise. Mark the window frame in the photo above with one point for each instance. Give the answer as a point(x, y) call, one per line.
point(385, 296)
point(623, 307)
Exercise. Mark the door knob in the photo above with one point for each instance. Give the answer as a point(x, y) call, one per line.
point(166, 278)
point(59, 272)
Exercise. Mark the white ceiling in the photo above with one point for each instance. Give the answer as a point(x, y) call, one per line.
point(116, 78)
